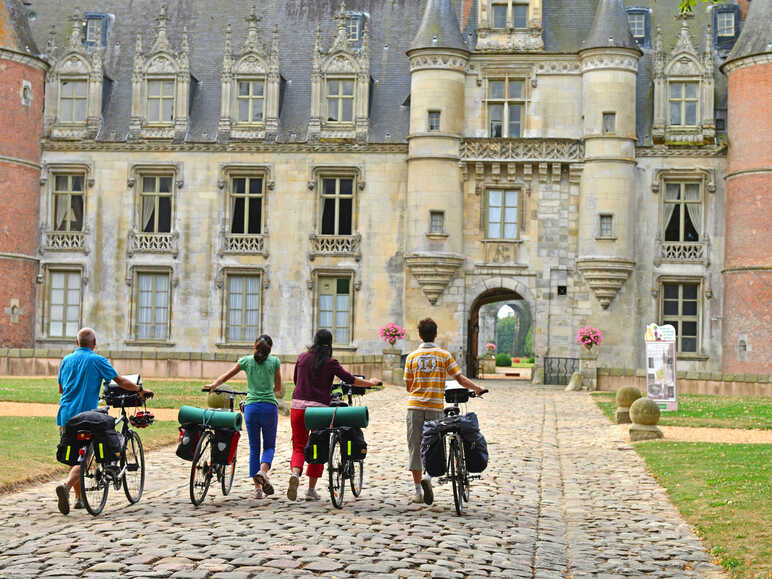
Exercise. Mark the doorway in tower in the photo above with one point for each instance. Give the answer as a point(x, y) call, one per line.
point(501, 317)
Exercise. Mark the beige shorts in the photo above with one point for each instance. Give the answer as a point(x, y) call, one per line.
point(415, 424)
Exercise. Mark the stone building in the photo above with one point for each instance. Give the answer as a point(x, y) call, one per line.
point(211, 170)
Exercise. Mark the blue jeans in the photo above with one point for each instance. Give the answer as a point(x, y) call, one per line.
point(261, 417)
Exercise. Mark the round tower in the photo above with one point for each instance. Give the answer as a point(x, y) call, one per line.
point(609, 69)
point(747, 273)
point(434, 213)
point(21, 127)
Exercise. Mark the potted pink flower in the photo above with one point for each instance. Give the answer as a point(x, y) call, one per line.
point(391, 332)
point(589, 338)
point(490, 350)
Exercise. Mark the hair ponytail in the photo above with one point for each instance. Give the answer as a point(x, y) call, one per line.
point(263, 346)
point(321, 350)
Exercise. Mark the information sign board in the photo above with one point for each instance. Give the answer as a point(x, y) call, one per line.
point(661, 385)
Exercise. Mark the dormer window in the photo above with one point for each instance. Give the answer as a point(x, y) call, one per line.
point(93, 31)
point(251, 99)
point(354, 27)
point(725, 24)
point(73, 100)
point(638, 20)
point(160, 101)
point(683, 103)
point(340, 101)
point(509, 14)
point(725, 30)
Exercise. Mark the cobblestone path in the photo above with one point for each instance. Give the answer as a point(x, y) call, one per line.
point(561, 498)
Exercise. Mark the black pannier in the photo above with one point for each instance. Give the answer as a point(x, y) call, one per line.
point(224, 445)
point(108, 445)
point(476, 452)
point(189, 435)
point(68, 450)
point(433, 449)
point(317, 449)
point(107, 441)
point(117, 396)
point(354, 445)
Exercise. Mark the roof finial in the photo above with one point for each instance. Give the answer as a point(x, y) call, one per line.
point(76, 30)
point(250, 42)
point(161, 41)
point(51, 45)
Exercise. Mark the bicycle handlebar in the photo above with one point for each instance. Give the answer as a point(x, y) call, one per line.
point(131, 393)
point(225, 391)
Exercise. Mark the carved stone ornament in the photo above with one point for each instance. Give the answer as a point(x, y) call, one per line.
point(433, 272)
point(605, 276)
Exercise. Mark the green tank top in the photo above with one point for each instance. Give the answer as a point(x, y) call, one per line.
point(260, 378)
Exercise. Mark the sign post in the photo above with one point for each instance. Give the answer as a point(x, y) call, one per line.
point(661, 366)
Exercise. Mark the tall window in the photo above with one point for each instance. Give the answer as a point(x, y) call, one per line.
point(243, 315)
point(156, 204)
point(353, 27)
point(152, 321)
point(246, 206)
point(434, 120)
point(682, 212)
point(334, 307)
point(637, 22)
point(68, 203)
point(505, 107)
point(502, 214)
point(160, 101)
point(683, 103)
point(337, 201)
point(725, 24)
point(64, 304)
point(680, 309)
point(520, 15)
point(251, 99)
point(437, 222)
point(93, 31)
point(499, 14)
point(72, 101)
point(606, 225)
point(340, 101)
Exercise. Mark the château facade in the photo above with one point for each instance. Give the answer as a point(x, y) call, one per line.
point(209, 172)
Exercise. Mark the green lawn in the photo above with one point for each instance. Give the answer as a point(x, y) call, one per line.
point(168, 393)
point(29, 444)
point(724, 491)
point(707, 411)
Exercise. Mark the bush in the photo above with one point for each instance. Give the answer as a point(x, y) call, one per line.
point(516, 360)
point(503, 359)
point(531, 360)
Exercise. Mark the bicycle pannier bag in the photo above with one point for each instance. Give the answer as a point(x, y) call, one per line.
point(95, 423)
point(117, 396)
point(476, 452)
point(68, 449)
point(189, 435)
point(317, 450)
point(354, 445)
point(433, 449)
point(226, 442)
point(108, 445)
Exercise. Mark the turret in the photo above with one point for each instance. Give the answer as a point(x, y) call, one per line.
point(747, 273)
point(609, 69)
point(434, 214)
point(21, 127)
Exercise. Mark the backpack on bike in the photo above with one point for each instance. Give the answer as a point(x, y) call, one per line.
point(101, 426)
point(317, 449)
point(189, 435)
point(108, 445)
point(433, 449)
point(354, 445)
point(226, 442)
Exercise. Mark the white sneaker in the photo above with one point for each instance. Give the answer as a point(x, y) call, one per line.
point(418, 498)
point(312, 495)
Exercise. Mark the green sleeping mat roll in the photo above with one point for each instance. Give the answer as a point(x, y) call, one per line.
point(320, 417)
point(216, 418)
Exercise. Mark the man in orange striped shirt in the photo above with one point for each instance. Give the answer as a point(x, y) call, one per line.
point(426, 370)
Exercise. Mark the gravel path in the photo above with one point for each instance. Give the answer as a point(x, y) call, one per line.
point(563, 496)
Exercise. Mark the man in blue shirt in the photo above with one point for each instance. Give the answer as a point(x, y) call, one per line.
point(80, 378)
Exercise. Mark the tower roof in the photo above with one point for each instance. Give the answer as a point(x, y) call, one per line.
point(756, 35)
point(439, 28)
point(610, 27)
point(14, 28)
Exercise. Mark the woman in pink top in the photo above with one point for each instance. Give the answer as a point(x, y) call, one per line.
point(314, 373)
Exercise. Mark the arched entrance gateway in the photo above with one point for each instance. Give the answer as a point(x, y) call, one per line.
point(496, 295)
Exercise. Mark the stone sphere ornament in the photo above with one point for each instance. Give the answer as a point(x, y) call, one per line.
point(625, 397)
point(644, 413)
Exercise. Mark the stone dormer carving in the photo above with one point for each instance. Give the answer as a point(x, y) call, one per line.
point(160, 87)
point(516, 32)
point(250, 86)
point(74, 89)
point(683, 91)
point(340, 86)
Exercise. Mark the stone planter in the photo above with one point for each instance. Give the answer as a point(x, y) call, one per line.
point(487, 366)
point(588, 368)
point(392, 367)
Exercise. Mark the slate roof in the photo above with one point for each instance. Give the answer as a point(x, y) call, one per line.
point(609, 27)
point(14, 28)
point(439, 28)
point(393, 27)
point(756, 37)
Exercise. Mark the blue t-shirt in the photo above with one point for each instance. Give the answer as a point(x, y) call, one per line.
point(81, 374)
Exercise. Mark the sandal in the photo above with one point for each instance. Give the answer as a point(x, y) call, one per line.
point(262, 480)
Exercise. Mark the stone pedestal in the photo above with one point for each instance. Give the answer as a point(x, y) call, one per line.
point(487, 366)
point(575, 383)
point(537, 377)
point(625, 397)
point(644, 413)
point(392, 366)
point(588, 368)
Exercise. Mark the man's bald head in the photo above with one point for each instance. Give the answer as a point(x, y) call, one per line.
point(86, 338)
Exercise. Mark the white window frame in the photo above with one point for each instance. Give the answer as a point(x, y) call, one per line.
point(431, 117)
point(251, 99)
point(322, 196)
point(138, 272)
point(160, 99)
point(69, 193)
point(680, 317)
point(683, 202)
point(637, 22)
point(510, 8)
point(441, 220)
point(503, 221)
point(609, 218)
point(335, 275)
point(247, 196)
point(230, 274)
point(505, 102)
point(141, 194)
point(340, 97)
point(72, 99)
point(721, 26)
point(683, 100)
point(52, 270)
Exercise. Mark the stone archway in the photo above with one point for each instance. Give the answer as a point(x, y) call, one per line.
point(488, 296)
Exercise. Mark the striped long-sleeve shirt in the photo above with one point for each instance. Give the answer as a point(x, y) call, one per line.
point(426, 369)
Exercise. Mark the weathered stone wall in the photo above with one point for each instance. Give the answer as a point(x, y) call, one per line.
point(715, 383)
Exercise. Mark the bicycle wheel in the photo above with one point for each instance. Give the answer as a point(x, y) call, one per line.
point(456, 476)
point(357, 473)
point(202, 469)
point(93, 482)
point(133, 466)
point(228, 472)
point(465, 485)
point(335, 470)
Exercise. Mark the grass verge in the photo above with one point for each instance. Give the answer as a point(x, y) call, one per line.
point(29, 444)
point(702, 410)
point(723, 490)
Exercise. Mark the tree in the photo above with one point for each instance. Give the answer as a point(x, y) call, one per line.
point(505, 335)
point(687, 5)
